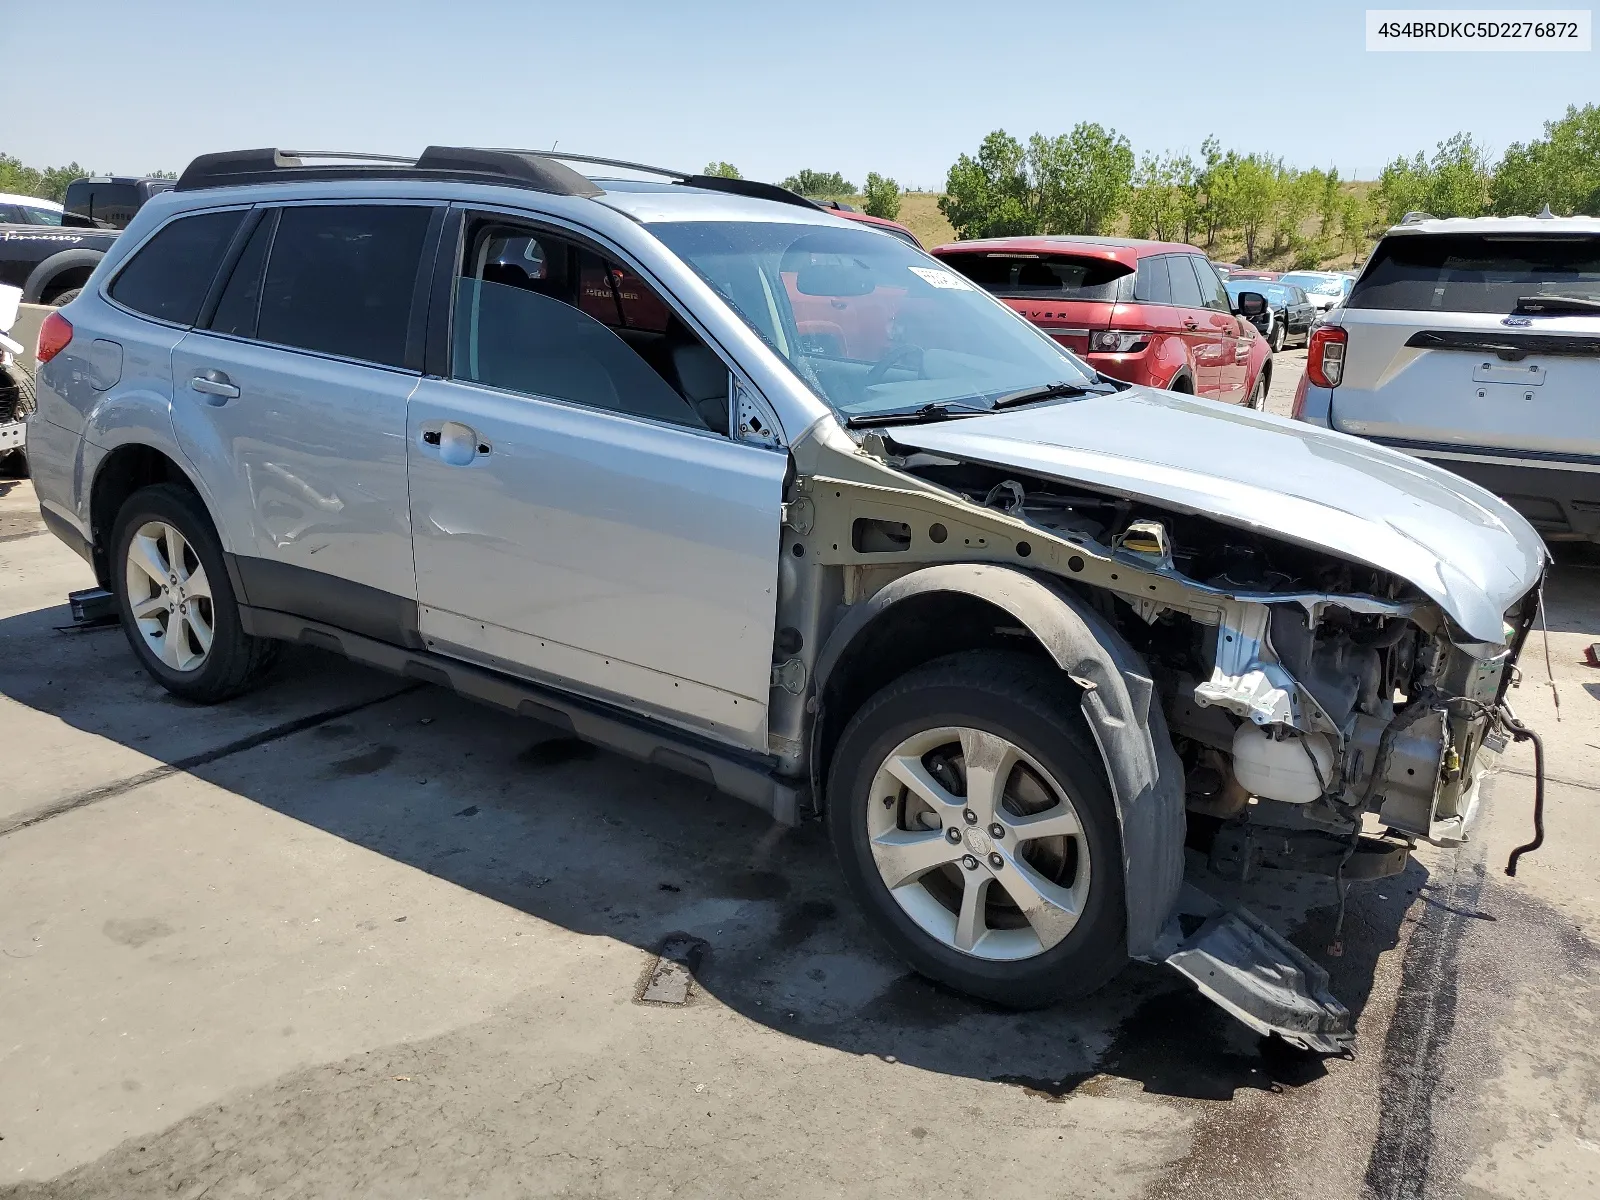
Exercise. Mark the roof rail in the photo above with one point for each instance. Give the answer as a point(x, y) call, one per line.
point(1417, 218)
point(236, 168)
point(710, 183)
point(539, 170)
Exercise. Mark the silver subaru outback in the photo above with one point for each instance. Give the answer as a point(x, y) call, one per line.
point(698, 471)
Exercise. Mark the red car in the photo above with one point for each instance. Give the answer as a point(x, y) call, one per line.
point(894, 228)
point(1153, 313)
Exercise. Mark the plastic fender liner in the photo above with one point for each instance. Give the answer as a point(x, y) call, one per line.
point(1118, 701)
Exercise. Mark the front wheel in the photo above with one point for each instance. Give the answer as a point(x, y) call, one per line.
point(1278, 337)
point(972, 821)
point(176, 601)
point(1258, 395)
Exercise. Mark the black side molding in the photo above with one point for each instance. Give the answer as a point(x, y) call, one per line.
point(747, 777)
point(1508, 346)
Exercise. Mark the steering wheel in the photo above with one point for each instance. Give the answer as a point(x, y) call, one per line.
point(886, 364)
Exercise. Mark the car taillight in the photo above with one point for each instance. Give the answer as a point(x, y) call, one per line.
point(54, 335)
point(1325, 359)
point(1117, 341)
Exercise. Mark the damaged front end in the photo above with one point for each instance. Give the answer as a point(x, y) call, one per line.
point(1328, 713)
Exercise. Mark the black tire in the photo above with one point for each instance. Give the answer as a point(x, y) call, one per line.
point(14, 464)
point(65, 297)
point(235, 660)
point(1034, 706)
point(1279, 336)
point(1181, 384)
point(1258, 394)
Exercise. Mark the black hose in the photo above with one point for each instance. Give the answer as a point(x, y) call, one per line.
point(1523, 734)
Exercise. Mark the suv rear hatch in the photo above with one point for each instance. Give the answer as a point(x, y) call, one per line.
point(1066, 295)
point(1459, 344)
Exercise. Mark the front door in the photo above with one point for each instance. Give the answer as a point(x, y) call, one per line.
point(579, 514)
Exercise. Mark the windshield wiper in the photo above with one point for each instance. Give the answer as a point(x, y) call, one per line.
point(1046, 391)
point(1548, 303)
point(937, 411)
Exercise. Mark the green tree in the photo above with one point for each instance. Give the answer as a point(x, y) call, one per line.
point(1402, 188)
point(1458, 179)
point(882, 197)
point(55, 180)
point(1153, 199)
point(722, 170)
point(819, 184)
point(990, 195)
point(1081, 178)
point(1562, 169)
point(1254, 194)
point(1353, 222)
point(1298, 195)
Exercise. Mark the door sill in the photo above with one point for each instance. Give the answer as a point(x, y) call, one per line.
point(744, 775)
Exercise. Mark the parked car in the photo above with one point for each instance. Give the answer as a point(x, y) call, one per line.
point(16, 389)
point(804, 514)
point(1475, 344)
point(1153, 313)
point(1287, 315)
point(28, 210)
point(894, 228)
point(1324, 289)
point(1250, 273)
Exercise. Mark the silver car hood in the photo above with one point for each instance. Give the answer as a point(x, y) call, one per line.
point(1460, 545)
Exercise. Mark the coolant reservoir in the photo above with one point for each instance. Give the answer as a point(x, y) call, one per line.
point(1281, 770)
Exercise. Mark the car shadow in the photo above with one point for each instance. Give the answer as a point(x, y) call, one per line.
point(604, 846)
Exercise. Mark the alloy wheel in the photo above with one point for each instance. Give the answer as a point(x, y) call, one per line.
point(169, 596)
point(978, 845)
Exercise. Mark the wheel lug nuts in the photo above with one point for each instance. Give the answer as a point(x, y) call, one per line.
point(997, 831)
point(952, 834)
point(996, 861)
point(970, 817)
point(970, 863)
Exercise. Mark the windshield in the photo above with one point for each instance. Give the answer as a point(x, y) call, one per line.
point(1475, 272)
point(1276, 294)
point(1317, 285)
point(871, 325)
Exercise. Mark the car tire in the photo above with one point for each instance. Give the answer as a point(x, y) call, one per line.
point(66, 297)
point(1278, 337)
point(164, 621)
point(1030, 706)
point(1258, 395)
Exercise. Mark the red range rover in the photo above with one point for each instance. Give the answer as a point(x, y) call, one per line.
point(1153, 313)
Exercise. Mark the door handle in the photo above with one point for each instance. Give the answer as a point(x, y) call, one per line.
point(456, 443)
point(1191, 324)
point(214, 383)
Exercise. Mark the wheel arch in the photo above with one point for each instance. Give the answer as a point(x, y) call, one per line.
point(69, 268)
point(879, 640)
point(119, 475)
point(1182, 375)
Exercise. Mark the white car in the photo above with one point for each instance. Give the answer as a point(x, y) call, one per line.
point(1474, 343)
point(28, 210)
point(1325, 289)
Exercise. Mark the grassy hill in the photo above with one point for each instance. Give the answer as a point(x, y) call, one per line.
point(919, 212)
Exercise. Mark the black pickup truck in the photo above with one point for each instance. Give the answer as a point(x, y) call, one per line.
point(50, 255)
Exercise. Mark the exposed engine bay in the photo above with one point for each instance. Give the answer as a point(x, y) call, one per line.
point(1318, 691)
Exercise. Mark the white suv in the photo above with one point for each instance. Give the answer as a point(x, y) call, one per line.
point(1475, 344)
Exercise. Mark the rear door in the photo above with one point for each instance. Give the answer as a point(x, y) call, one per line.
point(1200, 336)
point(1067, 295)
point(1441, 354)
point(1231, 349)
point(291, 403)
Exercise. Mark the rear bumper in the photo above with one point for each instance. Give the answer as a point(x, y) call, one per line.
point(1560, 499)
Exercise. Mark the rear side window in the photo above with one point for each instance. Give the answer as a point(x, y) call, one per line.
point(241, 299)
point(1185, 287)
point(1478, 273)
point(168, 276)
point(340, 279)
point(1151, 283)
point(1043, 276)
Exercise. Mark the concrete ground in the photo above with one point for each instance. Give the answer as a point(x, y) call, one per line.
point(350, 936)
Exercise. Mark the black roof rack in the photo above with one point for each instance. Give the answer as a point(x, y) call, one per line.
point(235, 168)
point(540, 170)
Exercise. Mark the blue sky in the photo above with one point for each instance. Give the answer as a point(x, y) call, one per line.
point(893, 87)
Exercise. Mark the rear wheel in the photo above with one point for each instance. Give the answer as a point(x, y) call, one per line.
point(175, 599)
point(971, 818)
point(1258, 395)
point(64, 297)
point(1278, 336)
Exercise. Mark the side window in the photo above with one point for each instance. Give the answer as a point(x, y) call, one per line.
point(40, 216)
point(1185, 286)
point(241, 298)
point(12, 214)
point(1212, 293)
point(340, 278)
point(169, 275)
point(545, 316)
point(1151, 284)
